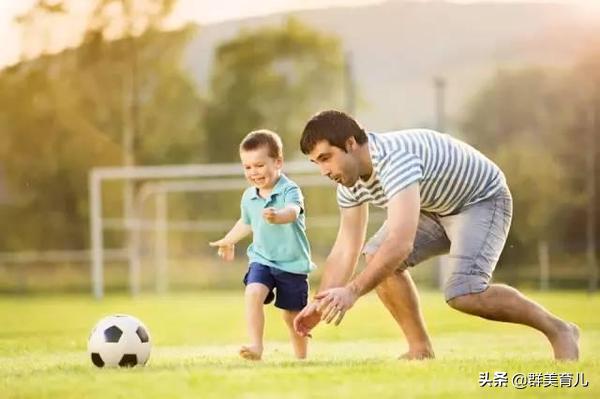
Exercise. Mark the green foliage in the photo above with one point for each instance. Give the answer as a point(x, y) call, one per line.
point(61, 115)
point(535, 124)
point(538, 183)
point(514, 104)
point(272, 77)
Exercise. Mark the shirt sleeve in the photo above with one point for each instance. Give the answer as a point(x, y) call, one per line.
point(245, 215)
point(345, 199)
point(293, 195)
point(399, 170)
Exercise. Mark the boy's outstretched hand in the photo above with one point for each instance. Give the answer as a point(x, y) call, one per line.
point(226, 249)
point(271, 215)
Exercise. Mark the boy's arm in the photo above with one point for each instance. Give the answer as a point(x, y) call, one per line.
point(227, 243)
point(288, 214)
point(237, 232)
point(293, 206)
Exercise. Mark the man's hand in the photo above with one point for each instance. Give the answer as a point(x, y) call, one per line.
point(335, 302)
point(307, 319)
point(226, 249)
point(271, 215)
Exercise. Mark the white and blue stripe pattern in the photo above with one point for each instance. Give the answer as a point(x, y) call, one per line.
point(451, 173)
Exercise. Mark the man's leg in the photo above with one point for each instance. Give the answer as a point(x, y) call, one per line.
point(504, 303)
point(478, 235)
point(399, 295)
point(398, 292)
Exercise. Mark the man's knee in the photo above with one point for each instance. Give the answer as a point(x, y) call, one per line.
point(460, 302)
point(469, 303)
point(463, 285)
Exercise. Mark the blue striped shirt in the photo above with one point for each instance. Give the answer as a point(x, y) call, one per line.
point(451, 174)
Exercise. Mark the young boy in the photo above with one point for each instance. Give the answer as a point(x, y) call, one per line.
point(272, 209)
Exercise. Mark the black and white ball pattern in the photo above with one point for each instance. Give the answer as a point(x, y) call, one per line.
point(119, 341)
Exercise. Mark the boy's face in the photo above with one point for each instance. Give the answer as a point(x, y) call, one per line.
point(260, 169)
point(340, 166)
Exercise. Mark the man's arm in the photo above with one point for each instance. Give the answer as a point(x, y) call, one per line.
point(342, 258)
point(402, 221)
point(340, 263)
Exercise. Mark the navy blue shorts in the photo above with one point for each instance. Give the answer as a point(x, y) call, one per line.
point(291, 289)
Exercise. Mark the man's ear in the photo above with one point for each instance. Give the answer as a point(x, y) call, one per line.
point(351, 144)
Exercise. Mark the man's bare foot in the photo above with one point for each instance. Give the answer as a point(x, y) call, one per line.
point(565, 341)
point(251, 352)
point(423, 354)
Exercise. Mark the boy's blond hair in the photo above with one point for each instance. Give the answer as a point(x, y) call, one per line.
point(266, 138)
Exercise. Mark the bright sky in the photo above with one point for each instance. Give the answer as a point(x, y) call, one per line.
point(200, 11)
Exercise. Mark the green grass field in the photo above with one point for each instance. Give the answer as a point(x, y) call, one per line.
point(195, 336)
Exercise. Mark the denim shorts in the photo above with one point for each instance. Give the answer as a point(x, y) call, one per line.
point(290, 290)
point(473, 238)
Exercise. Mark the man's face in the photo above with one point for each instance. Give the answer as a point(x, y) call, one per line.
point(340, 166)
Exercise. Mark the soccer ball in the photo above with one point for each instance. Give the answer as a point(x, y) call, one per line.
point(119, 340)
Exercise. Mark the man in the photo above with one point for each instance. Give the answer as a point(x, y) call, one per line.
point(442, 196)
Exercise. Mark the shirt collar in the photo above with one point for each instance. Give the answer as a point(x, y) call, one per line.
point(277, 189)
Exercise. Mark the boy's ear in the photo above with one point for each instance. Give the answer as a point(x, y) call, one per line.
point(279, 162)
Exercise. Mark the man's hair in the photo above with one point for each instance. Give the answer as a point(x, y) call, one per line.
point(334, 126)
point(263, 138)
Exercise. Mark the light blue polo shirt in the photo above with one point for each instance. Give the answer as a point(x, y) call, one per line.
point(283, 246)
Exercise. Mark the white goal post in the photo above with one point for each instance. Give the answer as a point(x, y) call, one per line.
point(158, 182)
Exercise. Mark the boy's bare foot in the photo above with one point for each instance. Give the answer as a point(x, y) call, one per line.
point(417, 355)
point(301, 356)
point(565, 341)
point(251, 352)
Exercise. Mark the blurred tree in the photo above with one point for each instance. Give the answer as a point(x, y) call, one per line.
point(537, 181)
point(585, 90)
point(37, 25)
point(272, 77)
point(514, 104)
point(531, 123)
point(62, 114)
point(125, 41)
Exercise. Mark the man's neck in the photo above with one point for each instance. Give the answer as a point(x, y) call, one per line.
point(365, 164)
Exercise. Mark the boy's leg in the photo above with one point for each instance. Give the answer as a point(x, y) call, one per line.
point(292, 297)
point(399, 293)
point(299, 342)
point(259, 283)
point(478, 235)
point(255, 319)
